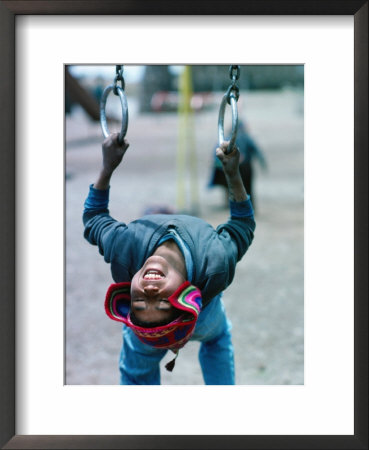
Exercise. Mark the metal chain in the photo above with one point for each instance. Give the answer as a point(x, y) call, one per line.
point(234, 72)
point(233, 89)
point(118, 77)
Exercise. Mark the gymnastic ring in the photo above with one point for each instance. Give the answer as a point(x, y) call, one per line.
point(223, 104)
point(124, 105)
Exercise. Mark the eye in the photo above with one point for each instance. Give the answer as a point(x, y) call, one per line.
point(165, 304)
point(139, 304)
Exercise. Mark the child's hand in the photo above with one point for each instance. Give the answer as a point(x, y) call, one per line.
point(229, 161)
point(113, 152)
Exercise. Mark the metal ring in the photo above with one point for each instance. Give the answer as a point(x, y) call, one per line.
point(234, 121)
point(124, 105)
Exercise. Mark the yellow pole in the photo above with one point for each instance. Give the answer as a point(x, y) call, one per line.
point(186, 143)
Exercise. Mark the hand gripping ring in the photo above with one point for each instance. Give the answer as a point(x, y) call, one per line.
point(124, 105)
point(223, 104)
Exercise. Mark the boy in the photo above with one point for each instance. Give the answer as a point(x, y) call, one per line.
point(169, 273)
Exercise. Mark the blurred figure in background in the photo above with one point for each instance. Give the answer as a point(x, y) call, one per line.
point(249, 151)
point(98, 89)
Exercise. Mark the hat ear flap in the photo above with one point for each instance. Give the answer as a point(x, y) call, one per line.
point(187, 298)
point(118, 301)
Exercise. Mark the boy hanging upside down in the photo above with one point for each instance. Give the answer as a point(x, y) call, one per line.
point(169, 273)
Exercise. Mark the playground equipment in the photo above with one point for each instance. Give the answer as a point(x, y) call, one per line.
point(186, 142)
point(118, 90)
point(231, 97)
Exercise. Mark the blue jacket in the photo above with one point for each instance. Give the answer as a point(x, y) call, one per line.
point(214, 252)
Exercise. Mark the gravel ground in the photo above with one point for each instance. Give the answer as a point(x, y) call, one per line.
point(266, 300)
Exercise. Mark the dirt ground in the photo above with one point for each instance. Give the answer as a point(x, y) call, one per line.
point(266, 300)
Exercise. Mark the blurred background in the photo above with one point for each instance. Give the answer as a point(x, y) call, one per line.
point(170, 166)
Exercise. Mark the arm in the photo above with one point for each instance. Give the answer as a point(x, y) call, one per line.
point(100, 228)
point(237, 234)
point(113, 154)
point(230, 162)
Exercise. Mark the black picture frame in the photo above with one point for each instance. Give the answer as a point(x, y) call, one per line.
point(8, 11)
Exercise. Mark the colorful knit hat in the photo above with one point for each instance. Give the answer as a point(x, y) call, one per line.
point(173, 335)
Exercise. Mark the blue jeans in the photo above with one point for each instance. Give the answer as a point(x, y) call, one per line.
point(139, 363)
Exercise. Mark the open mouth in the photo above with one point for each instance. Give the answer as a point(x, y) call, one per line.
point(153, 274)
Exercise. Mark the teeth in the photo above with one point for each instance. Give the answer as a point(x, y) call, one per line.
point(152, 275)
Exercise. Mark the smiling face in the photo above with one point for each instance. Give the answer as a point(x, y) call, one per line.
point(150, 288)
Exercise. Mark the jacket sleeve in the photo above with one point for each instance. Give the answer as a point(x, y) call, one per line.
point(238, 233)
point(100, 228)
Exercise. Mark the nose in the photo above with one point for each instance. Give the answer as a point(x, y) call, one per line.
point(151, 290)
